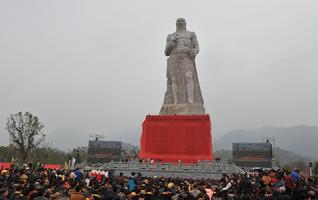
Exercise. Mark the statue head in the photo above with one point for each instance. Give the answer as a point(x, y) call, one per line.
point(181, 24)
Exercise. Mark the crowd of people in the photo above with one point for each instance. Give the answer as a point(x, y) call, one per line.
point(28, 183)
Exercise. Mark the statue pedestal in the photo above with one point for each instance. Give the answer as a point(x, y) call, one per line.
point(182, 109)
point(175, 138)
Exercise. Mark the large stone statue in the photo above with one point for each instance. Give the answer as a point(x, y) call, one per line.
point(183, 95)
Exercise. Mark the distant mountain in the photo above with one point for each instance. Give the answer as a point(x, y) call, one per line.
point(302, 140)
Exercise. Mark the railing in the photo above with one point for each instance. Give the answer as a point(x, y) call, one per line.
point(202, 169)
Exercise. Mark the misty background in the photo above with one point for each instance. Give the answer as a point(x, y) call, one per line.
point(98, 67)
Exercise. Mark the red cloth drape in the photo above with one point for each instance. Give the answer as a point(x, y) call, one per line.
point(174, 138)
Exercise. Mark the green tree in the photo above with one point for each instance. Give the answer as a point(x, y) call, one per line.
point(7, 154)
point(25, 131)
point(80, 154)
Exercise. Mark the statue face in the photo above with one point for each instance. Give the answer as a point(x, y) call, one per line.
point(181, 22)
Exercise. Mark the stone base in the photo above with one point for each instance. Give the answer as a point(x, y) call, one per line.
point(174, 138)
point(182, 109)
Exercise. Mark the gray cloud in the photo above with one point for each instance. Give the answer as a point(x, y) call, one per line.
point(98, 66)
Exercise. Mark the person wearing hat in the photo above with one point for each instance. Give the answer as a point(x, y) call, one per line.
point(131, 195)
point(4, 172)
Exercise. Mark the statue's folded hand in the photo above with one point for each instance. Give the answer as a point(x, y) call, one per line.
point(174, 37)
point(192, 53)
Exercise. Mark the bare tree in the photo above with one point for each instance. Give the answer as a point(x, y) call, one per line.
point(25, 132)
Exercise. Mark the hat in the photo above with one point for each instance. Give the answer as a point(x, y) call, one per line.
point(268, 193)
point(40, 187)
point(133, 194)
point(170, 185)
point(55, 195)
point(4, 172)
point(282, 189)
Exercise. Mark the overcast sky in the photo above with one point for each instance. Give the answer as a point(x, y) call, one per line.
point(99, 67)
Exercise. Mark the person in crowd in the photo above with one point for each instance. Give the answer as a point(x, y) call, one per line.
point(40, 193)
point(209, 191)
point(289, 184)
point(77, 194)
point(132, 182)
point(295, 175)
point(3, 193)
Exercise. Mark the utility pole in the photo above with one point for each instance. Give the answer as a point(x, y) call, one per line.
point(310, 168)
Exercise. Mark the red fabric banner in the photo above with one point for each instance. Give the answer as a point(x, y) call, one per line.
point(5, 165)
point(175, 138)
point(52, 166)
